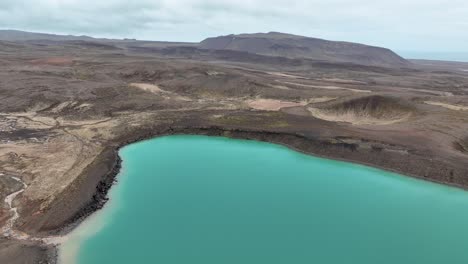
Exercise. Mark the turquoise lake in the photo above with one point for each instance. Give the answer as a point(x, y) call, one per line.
point(213, 200)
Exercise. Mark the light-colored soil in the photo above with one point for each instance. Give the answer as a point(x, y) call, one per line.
point(353, 118)
point(280, 74)
point(448, 106)
point(153, 88)
point(49, 164)
point(343, 81)
point(214, 73)
point(147, 87)
point(328, 87)
point(425, 91)
point(273, 105)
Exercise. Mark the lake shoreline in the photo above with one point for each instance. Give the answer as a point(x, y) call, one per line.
point(103, 182)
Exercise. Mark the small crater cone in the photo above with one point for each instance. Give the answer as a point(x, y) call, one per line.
point(369, 110)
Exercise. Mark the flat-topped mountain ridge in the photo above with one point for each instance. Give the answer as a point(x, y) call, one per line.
point(293, 46)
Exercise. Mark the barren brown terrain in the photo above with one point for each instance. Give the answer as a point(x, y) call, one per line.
point(68, 105)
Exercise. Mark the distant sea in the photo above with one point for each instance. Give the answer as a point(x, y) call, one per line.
point(445, 56)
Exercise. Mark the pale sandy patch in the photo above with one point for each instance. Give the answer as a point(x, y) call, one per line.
point(60, 107)
point(78, 123)
point(27, 120)
point(183, 98)
point(280, 74)
point(345, 81)
point(214, 73)
point(84, 106)
point(157, 90)
point(147, 87)
point(272, 105)
point(282, 87)
point(353, 118)
point(328, 87)
point(449, 106)
point(448, 94)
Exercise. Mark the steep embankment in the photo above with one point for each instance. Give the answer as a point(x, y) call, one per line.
point(461, 145)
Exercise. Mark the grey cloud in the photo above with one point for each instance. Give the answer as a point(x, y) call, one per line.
point(412, 25)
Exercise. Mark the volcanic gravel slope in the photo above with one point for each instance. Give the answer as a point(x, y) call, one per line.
point(68, 104)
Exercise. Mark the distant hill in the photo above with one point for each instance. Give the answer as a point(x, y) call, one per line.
point(266, 44)
point(292, 46)
point(53, 39)
point(16, 35)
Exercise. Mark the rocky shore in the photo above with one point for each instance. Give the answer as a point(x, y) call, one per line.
point(382, 157)
point(89, 191)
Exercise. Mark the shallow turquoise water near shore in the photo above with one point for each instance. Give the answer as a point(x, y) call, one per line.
point(211, 200)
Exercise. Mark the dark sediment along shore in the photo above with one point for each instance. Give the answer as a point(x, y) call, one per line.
point(88, 193)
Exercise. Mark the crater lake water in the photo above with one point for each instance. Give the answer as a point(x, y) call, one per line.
point(213, 200)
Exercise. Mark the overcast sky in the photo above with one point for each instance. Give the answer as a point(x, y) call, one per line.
point(422, 25)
